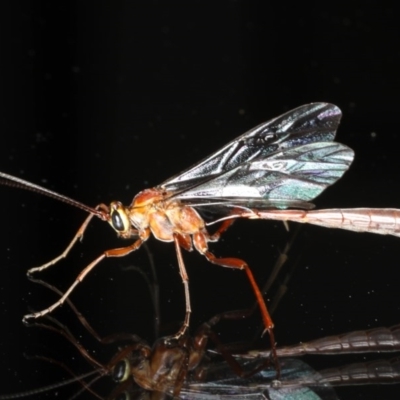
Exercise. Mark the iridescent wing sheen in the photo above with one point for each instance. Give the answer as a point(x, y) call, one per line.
point(226, 385)
point(285, 162)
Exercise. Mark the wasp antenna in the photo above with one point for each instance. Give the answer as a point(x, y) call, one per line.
point(9, 180)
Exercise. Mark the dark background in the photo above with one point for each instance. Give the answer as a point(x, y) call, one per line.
point(102, 99)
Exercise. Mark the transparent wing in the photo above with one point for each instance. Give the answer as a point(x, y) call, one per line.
point(288, 160)
point(294, 175)
point(226, 385)
point(315, 122)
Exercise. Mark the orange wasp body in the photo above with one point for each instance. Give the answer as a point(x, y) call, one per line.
point(283, 163)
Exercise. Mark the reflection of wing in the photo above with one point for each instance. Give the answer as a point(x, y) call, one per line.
point(222, 384)
point(289, 159)
point(258, 386)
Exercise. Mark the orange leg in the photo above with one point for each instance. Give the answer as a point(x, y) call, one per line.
point(78, 235)
point(240, 264)
point(222, 228)
point(200, 242)
point(185, 281)
point(185, 241)
point(121, 252)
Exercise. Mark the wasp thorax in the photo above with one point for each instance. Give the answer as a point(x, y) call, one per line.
point(119, 217)
point(147, 198)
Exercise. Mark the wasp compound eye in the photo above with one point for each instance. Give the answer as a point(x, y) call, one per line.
point(119, 218)
point(117, 221)
point(121, 370)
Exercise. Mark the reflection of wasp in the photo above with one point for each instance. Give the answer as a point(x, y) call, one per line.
point(250, 375)
point(298, 380)
point(183, 368)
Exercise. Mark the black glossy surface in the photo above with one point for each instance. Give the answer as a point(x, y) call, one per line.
point(99, 101)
